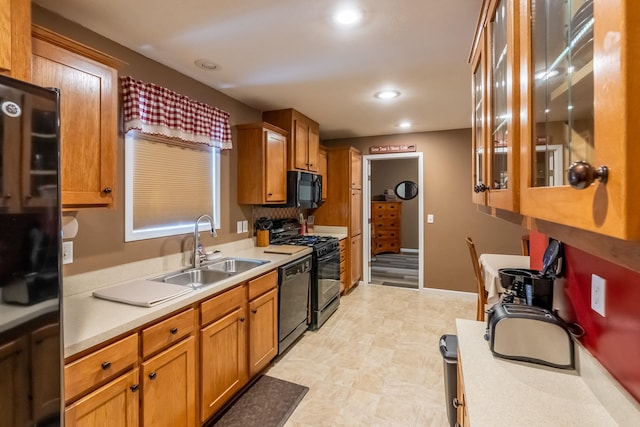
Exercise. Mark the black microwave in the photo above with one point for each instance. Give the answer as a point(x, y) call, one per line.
point(304, 189)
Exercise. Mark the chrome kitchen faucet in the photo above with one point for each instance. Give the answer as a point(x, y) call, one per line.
point(196, 238)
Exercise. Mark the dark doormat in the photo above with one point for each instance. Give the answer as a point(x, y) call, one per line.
point(269, 402)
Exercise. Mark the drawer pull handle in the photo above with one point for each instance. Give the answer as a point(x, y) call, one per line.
point(152, 376)
point(105, 365)
point(135, 387)
point(173, 331)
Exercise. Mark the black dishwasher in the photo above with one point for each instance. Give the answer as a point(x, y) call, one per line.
point(294, 280)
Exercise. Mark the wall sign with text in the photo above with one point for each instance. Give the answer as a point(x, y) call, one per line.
point(384, 149)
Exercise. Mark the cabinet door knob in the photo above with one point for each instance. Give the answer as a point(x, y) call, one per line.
point(107, 190)
point(242, 319)
point(480, 188)
point(254, 311)
point(152, 376)
point(7, 196)
point(456, 403)
point(135, 387)
point(581, 174)
point(173, 331)
point(105, 365)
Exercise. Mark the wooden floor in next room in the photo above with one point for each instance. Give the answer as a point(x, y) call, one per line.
point(400, 270)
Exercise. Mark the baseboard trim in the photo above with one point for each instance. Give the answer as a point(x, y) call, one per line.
point(409, 251)
point(470, 296)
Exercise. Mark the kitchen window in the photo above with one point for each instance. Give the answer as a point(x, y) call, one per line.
point(168, 186)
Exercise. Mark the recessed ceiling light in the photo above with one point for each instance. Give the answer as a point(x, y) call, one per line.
point(387, 94)
point(404, 125)
point(205, 64)
point(347, 16)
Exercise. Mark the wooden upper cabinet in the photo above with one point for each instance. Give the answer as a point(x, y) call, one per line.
point(304, 143)
point(15, 39)
point(580, 103)
point(322, 170)
point(262, 169)
point(87, 80)
point(495, 78)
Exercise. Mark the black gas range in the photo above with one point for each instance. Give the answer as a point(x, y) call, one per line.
point(325, 273)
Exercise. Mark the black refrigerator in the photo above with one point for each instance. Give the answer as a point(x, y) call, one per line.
point(30, 256)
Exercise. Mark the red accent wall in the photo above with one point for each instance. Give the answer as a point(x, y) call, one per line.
point(615, 339)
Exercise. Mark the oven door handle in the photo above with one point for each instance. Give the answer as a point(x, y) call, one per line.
point(333, 254)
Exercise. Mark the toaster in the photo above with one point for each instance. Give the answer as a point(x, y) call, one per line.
point(530, 334)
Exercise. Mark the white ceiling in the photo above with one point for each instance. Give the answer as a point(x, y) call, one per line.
point(275, 54)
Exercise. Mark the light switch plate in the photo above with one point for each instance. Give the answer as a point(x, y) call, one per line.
point(67, 252)
point(245, 226)
point(598, 294)
point(430, 219)
point(239, 227)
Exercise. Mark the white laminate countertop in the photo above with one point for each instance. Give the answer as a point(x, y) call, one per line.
point(506, 393)
point(89, 321)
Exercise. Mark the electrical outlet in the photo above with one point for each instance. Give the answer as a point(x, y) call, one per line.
point(245, 226)
point(430, 219)
point(67, 252)
point(239, 227)
point(598, 294)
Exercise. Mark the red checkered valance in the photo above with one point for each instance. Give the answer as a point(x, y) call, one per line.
point(155, 110)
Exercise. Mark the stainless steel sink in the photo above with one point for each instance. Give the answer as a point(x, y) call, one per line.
point(234, 265)
point(209, 274)
point(194, 278)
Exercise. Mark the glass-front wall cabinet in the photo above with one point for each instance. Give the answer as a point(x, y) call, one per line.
point(562, 88)
point(477, 97)
point(495, 99)
point(580, 114)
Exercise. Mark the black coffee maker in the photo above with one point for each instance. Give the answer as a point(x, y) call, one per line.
point(534, 287)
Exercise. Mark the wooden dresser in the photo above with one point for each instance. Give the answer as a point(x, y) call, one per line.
point(386, 227)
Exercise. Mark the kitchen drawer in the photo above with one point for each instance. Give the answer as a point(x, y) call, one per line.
point(222, 304)
point(386, 235)
point(387, 245)
point(263, 284)
point(381, 224)
point(100, 366)
point(167, 332)
point(343, 266)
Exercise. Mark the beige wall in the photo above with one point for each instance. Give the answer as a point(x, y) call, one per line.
point(447, 194)
point(386, 174)
point(100, 240)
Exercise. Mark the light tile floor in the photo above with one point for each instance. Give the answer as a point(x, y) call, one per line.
point(376, 361)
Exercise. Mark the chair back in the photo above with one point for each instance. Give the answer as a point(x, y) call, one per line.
point(482, 293)
point(525, 244)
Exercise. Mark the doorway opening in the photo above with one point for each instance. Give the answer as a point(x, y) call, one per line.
point(389, 172)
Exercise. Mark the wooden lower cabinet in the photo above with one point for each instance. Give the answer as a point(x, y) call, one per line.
point(169, 387)
point(356, 260)
point(160, 375)
point(343, 265)
point(115, 404)
point(223, 358)
point(461, 407)
point(263, 330)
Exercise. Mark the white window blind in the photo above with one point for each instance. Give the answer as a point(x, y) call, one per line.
point(167, 186)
